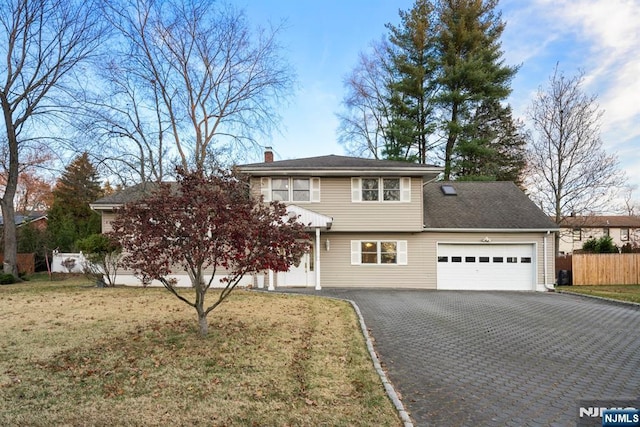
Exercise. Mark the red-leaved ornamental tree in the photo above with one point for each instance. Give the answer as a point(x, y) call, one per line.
point(206, 226)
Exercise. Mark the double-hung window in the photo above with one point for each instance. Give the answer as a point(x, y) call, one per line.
point(380, 189)
point(391, 189)
point(370, 189)
point(280, 189)
point(379, 252)
point(290, 189)
point(300, 191)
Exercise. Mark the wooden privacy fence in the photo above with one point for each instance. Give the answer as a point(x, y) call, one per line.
point(26, 263)
point(606, 269)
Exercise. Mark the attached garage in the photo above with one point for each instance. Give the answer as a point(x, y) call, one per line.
point(486, 266)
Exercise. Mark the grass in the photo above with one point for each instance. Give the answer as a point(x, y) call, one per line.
point(619, 292)
point(73, 354)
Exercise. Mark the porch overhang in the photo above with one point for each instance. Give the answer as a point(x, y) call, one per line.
point(311, 220)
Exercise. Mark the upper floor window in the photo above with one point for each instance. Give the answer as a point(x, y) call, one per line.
point(290, 189)
point(301, 190)
point(381, 189)
point(280, 189)
point(370, 190)
point(391, 189)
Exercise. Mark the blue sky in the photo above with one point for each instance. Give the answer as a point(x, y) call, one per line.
point(323, 39)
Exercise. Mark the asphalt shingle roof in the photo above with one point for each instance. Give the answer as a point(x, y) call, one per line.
point(22, 219)
point(601, 221)
point(129, 194)
point(334, 163)
point(482, 205)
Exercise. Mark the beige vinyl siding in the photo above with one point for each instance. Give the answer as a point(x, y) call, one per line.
point(433, 238)
point(337, 270)
point(369, 216)
point(107, 217)
point(335, 202)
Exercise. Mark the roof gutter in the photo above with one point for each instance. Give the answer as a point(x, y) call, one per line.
point(340, 172)
point(105, 207)
point(492, 230)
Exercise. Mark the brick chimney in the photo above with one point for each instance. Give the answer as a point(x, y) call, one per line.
point(268, 155)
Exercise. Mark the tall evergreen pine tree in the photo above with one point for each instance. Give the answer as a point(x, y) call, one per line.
point(494, 149)
point(472, 76)
point(412, 86)
point(70, 217)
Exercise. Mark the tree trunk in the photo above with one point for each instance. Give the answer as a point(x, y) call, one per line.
point(10, 265)
point(203, 324)
point(451, 142)
point(7, 201)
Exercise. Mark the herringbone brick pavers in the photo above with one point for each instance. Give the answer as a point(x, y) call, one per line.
point(500, 358)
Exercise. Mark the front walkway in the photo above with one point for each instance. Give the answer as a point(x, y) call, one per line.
point(463, 358)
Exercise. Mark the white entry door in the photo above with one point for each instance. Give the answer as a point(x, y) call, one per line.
point(486, 266)
point(299, 275)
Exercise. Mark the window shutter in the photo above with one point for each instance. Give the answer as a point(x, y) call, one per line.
point(356, 189)
point(356, 259)
point(265, 189)
point(405, 190)
point(315, 190)
point(403, 256)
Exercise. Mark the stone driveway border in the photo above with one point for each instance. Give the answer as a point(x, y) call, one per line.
point(464, 358)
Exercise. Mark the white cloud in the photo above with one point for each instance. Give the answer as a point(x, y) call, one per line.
point(599, 37)
point(611, 29)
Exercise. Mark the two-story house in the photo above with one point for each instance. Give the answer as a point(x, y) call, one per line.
point(576, 230)
point(381, 223)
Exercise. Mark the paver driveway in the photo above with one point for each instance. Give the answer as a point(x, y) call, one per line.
point(500, 358)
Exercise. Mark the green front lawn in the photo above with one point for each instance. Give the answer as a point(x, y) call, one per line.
point(619, 292)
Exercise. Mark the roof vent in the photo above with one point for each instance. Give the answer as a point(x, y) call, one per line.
point(448, 190)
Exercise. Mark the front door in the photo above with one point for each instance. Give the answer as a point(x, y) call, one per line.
point(301, 274)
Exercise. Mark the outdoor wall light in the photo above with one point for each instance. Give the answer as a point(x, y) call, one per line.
point(327, 245)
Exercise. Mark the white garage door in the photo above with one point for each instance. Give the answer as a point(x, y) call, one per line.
point(486, 267)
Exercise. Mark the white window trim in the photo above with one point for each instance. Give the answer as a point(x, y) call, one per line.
point(402, 252)
point(314, 189)
point(405, 190)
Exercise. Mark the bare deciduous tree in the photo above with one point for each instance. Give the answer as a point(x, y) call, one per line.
point(41, 43)
point(568, 169)
point(129, 124)
point(366, 113)
point(629, 205)
point(194, 80)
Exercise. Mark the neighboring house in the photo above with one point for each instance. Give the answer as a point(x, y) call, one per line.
point(380, 223)
point(36, 219)
point(576, 230)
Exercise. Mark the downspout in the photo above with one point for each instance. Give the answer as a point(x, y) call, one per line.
point(546, 267)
